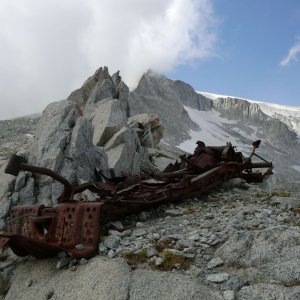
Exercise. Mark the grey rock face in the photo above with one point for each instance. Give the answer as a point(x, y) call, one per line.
point(166, 98)
point(154, 285)
point(127, 153)
point(108, 119)
point(98, 87)
point(268, 291)
point(238, 109)
point(88, 281)
point(63, 143)
point(148, 127)
point(6, 187)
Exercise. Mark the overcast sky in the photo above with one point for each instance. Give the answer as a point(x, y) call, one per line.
point(248, 48)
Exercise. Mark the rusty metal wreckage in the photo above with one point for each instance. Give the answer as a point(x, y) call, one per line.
point(76, 226)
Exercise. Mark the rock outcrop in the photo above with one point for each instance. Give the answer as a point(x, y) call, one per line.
point(63, 143)
point(166, 98)
point(90, 129)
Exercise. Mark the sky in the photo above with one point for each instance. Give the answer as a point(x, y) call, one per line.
point(248, 48)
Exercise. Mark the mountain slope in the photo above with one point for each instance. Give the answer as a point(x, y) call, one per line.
point(189, 116)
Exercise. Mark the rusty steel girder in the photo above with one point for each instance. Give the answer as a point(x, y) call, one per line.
point(76, 226)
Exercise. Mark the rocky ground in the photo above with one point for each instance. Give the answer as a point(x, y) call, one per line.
point(15, 133)
point(236, 243)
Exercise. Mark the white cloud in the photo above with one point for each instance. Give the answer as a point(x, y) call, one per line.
point(292, 55)
point(48, 48)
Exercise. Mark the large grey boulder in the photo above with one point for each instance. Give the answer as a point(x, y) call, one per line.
point(147, 284)
point(108, 119)
point(273, 253)
point(268, 291)
point(125, 152)
point(6, 187)
point(148, 127)
point(98, 279)
point(63, 143)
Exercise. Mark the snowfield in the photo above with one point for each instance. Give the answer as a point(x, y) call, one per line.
point(289, 115)
point(213, 134)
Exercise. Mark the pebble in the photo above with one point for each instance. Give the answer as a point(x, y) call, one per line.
point(229, 295)
point(62, 262)
point(140, 232)
point(83, 261)
point(215, 262)
point(28, 283)
point(195, 237)
point(156, 236)
point(79, 247)
point(116, 224)
point(114, 232)
point(112, 242)
point(218, 278)
point(174, 212)
point(139, 224)
point(158, 261)
point(142, 216)
point(111, 254)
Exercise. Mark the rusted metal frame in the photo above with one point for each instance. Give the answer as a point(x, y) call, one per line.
point(41, 231)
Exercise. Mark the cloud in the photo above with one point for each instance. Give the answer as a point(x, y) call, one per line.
point(292, 55)
point(48, 48)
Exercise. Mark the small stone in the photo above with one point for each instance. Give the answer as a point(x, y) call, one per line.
point(215, 262)
point(151, 252)
point(139, 224)
point(28, 283)
point(83, 261)
point(102, 249)
point(125, 242)
point(218, 278)
point(111, 254)
point(142, 216)
point(189, 256)
point(140, 232)
point(114, 232)
point(194, 237)
point(162, 231)
point(63, 262)
point(116, 224)
point(158, 261)
point(112, 242)
point(174, 212)
point(62, 254)
point(228, 295)
point(79, 247)
point(209, 216)
point(126, 232)
point(195, 271)
point(73, 268)
point(156, 236)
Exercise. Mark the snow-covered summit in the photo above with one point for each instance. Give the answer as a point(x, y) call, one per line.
point(289, 115)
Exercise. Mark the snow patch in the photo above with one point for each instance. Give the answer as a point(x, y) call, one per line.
point(296, 167)
point(212, 132)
